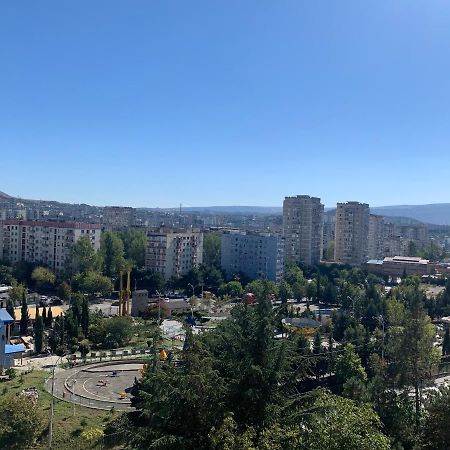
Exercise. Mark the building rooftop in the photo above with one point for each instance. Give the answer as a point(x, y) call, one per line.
point(5, 317)
point(50, 223)
point(302, 322)
point(406, 260)
point(11, 349)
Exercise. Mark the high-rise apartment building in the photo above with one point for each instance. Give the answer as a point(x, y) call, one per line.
point(376, 237)
point(47, 243)
point(303, 229)
point(173, 253)
point(257, 255)
point(352, 233)
point(118, 217)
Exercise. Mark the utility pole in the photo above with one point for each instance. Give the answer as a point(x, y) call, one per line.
point(52, 405)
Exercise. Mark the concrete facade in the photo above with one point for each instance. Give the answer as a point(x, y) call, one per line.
point(47, 243)
point(173, 253)
point(118, 217)
point(303, 229)
point(376, 237)
point(398, 266)
point(352, 233)
point(257, 255)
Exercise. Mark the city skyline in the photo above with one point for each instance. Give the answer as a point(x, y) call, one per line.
point(207, 104)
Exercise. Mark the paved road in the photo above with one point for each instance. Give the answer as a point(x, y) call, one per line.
point(94, 386)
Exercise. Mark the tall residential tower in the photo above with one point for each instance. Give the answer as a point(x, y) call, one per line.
point(303, 229)
point(352, 233)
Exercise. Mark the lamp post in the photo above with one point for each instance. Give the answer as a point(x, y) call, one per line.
point(52, 404)
point(159, 306)
point(380, 320)
point(193, 290)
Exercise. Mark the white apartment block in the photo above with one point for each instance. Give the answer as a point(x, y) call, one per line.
point(46, 243)
point(257, 255)
point(352, 233)
point(303, 229)
point(173, 253)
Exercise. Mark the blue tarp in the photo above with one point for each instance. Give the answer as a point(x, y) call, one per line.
point(5, 317)
point(10, 349)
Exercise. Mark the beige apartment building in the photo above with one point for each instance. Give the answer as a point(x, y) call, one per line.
point(352, 233)
point(118, 217)
point(303, 229)
point(44, 242)
point(173, 253)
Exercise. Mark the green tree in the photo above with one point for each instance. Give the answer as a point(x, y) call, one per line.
point(85, 317)
point(311, 290)
point(284, 291)
point(92, 283)
point(16, 293)
point(348, 365)
point(410, 346)
point(43, 278)
point(330, 423)
point(82, 257)
point(229, 437)
point(64, 291)
point(21, 423)
point(134, 242)
point(24, 317)
point(49, 321)
point(38, 333)
point(112, 252)
point(436, 429)
point(232, 288)
point(446, 343)
point(211, 250)
point(10, 309)
point(6, 275)
point(183, 420)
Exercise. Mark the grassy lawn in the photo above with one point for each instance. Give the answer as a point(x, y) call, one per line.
point(66, 426)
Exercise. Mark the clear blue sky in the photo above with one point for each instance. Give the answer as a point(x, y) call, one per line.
point(236, 102)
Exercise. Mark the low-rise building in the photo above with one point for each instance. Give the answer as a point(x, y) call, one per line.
point(397, 266)
point(8, 352)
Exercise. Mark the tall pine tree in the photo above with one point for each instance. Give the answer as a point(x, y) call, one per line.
point(38, 333)
point(44, 316)
point(10, 309)
point(49, 323)
point(85, 317)
point(25, 317)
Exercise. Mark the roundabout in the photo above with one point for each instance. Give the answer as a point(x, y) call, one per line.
point(104, 385)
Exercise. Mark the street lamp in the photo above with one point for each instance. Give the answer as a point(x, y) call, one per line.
point(52, 404)
point(193, 290)
point(380, 320)
point(159, 306)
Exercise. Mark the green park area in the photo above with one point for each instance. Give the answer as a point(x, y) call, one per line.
point(73, 428)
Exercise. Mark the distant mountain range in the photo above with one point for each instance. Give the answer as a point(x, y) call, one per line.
point(437, 214)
